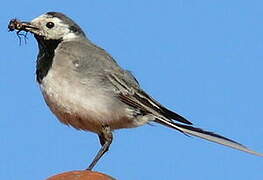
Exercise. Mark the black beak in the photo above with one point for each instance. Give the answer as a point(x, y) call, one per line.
point(15, 24)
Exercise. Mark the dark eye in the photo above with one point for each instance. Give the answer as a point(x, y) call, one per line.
point(50, 25)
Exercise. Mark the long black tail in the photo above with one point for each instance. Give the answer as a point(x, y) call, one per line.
point(210, 136)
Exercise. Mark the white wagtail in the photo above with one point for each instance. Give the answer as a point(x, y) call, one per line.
point(85, 87)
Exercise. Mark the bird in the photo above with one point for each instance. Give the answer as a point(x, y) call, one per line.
point(85, 87)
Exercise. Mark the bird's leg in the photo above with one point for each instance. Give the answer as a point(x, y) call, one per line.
point(106, 138)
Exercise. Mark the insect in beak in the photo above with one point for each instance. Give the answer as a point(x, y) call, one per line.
point(15, 24)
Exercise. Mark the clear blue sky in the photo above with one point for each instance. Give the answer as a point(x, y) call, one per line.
point(202, 59)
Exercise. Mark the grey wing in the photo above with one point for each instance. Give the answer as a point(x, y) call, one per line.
point(130, 93)
point(138, 99)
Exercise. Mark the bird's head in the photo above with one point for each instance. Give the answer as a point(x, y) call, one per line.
point(50, 26)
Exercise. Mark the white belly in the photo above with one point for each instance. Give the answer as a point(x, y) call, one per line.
point(76, 105)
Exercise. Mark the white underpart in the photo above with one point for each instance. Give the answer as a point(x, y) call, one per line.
point(94, 107)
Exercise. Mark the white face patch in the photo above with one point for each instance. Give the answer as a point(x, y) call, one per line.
point(70, 36)
point(59, 31)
